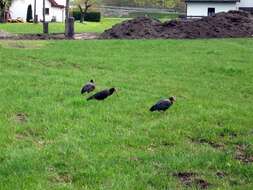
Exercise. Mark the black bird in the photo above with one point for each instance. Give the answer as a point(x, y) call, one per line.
point(88, 87)
point(163, 105)
point(102, 94)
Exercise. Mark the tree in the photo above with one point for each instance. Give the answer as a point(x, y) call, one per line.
point(84, 6)
point(29, 15)
point(4, 6)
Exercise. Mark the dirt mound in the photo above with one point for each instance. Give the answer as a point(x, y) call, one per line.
point(141, 27)
point(221, 25)
point(243, 154)
point(190, 179)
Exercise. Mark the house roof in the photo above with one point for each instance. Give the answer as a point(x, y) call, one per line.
point(55, 4)
point(216, 1)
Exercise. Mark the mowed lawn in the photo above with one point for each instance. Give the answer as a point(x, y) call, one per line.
point(27, 28)
point(52, 138)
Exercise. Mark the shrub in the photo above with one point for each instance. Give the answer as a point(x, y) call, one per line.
point(90, 16)
point(29, 15)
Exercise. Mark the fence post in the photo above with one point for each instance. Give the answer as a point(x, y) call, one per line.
point(36, 19)
point(71, 27)
point(45, 27)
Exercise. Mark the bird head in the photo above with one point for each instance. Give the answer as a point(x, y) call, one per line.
point(92, 81)
point(112, 90)
point(172, 98)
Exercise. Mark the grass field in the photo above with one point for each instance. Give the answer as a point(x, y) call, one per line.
point(27, 28)
point(161, 16)
point(52, 138)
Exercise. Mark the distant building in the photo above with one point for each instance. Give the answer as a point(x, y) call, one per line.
point(54, 9)
point(200, 8)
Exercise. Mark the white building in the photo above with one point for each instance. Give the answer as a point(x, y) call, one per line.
point(200, 8)
point(54, 9)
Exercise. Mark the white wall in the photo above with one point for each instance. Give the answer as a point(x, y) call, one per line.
point(200, 9)
point(246, 3)
point(19, 9)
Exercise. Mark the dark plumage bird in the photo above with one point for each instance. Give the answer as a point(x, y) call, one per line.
point(103, 94)
point(89, 87)
point(163, 105)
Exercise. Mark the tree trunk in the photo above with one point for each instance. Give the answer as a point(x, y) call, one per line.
point(35, 12)
point(81, 14)
point(2, 11)
point(1, 16)
point(66, 17)
point(45, 25)
point(82, 18)
point(43, 12)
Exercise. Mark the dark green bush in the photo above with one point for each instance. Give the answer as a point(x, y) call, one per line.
point(29, 15)
point(90, 16)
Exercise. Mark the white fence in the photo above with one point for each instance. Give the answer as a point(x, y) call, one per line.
point(124, 11)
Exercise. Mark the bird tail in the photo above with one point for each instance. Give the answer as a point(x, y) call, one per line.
point(83, 90)
point(90, 98)
point(153, 108)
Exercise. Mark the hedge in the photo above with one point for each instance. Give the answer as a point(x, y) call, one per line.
point(90, 16)
point(29, 14)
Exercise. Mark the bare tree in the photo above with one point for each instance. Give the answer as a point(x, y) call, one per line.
point(84, 6)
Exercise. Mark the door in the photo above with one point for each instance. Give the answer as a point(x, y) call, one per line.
point(210, 11)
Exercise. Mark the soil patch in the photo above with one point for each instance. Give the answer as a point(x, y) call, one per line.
point(221, 25)
point(190, 179)
point(56, 36)
point(185, 177)
point(228, 133)
point(62, 178)
point(242, 154)
point(167, 143)
point(206, 141)
point(21, 118)
point(221, 174)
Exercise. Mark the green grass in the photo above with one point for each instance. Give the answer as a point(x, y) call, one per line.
point(162, 16)
point(27, 28)
point(69, 143)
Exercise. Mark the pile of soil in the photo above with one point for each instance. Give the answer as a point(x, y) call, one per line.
point(221, 25)
point(190, 179)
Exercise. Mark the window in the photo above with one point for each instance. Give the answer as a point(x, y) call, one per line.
point(47, 11)
point(249, 9)
point(210, 11)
